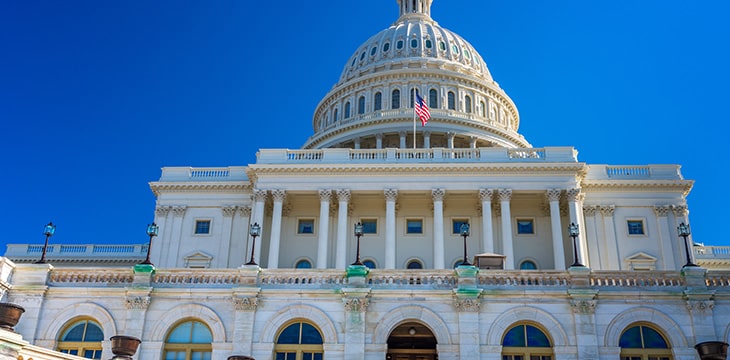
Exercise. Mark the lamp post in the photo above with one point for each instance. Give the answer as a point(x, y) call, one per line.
point(683, 230)
point(574, 232)
point(48, 231)
point(358, 234)
point(255, 231)
point(152, 230)
point(464, 230)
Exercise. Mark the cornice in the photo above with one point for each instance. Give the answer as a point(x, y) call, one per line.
point(195, 187)
point(683, 186)
point(575, 169)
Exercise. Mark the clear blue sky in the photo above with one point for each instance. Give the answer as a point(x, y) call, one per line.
point(97, 96)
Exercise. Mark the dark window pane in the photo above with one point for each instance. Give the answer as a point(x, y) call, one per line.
point(290, 335)
point(536, 338)
point(525, 227)
point(631, 338)
point(303, 264)
point(369, 226)
point(515, 337)
point(369, 263)
point(457, 226)
point(202, 227)
point(414, 226)
point(452, 100)
point(433, 99)
point(378, 101)
point(653, 340)
point(636, 227)
point(318, 356)
point(415, 265)
point(310, 335)
point(93, 333)
point(395, 100)
point(76, 333)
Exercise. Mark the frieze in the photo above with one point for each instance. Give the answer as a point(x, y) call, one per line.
point(356, 304)
point(700, 306)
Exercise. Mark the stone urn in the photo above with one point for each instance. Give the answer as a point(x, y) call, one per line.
point(240, 357)
point(10, 315)
point(124, 347)
point(712, 350)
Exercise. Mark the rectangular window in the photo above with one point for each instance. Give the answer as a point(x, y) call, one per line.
point(636, 227)
point(202, 227)
point(525, 226)
point(414, 226)
point(369, 226)
point(306, 226)
point(456, 225)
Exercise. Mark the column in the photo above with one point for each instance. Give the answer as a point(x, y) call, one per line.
point(591, 230)
point(473, 142)
point(485, 195)
point(450, 139)
point(162, 245)
point(553, 197)
point(226, 236)
point(426, 139)
point(357, 142)
point(390, 197)
point(665, 238)
point(245, 302)
point(402, 135)
point(575, 206)
point(609, 228)
point(504, 199)
point(278, 195)
point(378, 141)
point(343, 196)
point(324, 225)
point(259, 198)
point(178, 213)
point(438, 228)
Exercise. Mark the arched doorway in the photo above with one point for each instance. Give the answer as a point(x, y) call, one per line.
point(411, 341)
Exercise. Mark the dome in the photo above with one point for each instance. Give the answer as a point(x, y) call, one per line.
point(371, 104)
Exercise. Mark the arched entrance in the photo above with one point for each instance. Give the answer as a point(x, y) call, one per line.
point(411, 341)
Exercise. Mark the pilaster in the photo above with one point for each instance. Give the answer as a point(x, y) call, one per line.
point(245, 301)
point(438, 228)
point(355, 301)
point(391, 195)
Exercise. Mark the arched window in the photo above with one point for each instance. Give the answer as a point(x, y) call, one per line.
point(452, 100)
point(303, 264)
point(467, 103)
point(433, 99)
point(369, 263)
point(528, 265)
point(641, 342)
point(525, 341)
point(299, 341)
point(395, 99)
point(414, 264)
point(482, 109)
point(361, 105)
point(81, 338)
point(189, 340)
point(347, 110)
point(378, 101)
point(412, 100)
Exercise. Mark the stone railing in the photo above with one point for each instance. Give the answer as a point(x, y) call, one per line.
point(313, 279)
point(231, 173)
point(74, 251)
point(712, 252)
point(434, 155)
point(631, 172)
point(91, 277)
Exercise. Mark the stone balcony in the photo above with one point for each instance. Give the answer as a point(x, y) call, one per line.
point(78, 253)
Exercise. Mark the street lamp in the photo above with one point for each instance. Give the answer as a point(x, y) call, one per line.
point(48, 232)
point(255, 231)
point(152, 230)
point(683, 230)
point(464, 230)
point(358, 234)
point(574, 232)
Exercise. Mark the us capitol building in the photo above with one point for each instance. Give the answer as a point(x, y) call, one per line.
point(353, 246)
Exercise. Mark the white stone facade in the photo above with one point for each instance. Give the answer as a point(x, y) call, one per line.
point(469, 165)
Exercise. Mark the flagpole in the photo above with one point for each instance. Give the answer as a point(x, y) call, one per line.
point(415, 97)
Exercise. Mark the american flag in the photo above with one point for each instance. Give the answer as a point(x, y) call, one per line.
point(422, 109)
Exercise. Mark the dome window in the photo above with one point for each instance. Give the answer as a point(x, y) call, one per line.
point(433, 99)
point(428, 44)
point(414, 43)
point(361, 105)
point(399, 44)
point(386, 47)
point(362, 56)
point(373, 50)
point(452, 100)
point(347, 110)
point(455, 49)
point(353, 61)
point(467, 54)
point(395, 99)
point(378, 103)
point(442, 46)
point(467, 104)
